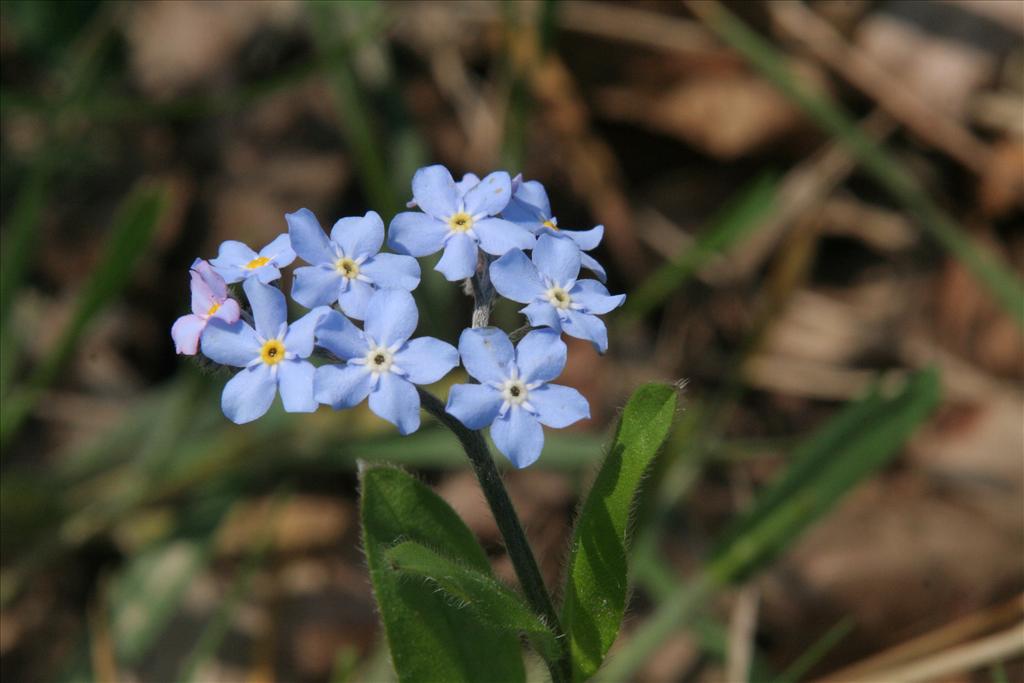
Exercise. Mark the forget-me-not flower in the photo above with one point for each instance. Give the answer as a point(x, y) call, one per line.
point(382, 362)
point(554, 297)
point(346, 268)
point(209, 300)
point(236, 261)
point(459, 224)
point(514, 397)
point(272, 356)
point(531, 209)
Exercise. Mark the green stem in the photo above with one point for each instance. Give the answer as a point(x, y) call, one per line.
point(508, 523)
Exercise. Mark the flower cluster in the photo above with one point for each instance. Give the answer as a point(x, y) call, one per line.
point(326, 358)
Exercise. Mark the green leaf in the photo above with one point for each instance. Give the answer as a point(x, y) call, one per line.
point(864, 436)
point(490, 600)
point(430, 639)
point(595, 594)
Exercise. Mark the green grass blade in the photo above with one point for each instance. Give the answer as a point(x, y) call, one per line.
point(596, 586)
point(727, 229)
point(492, 602)
point(856, 443)
point(821, 647)
point(133, 228)
point(429, 638)
point(989, 270)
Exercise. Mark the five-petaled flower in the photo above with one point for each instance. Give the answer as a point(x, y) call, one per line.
point(554, 297)
point(209, 300)
point(272, 356)
point(457, 223)
point(382, 362)
point(514, 397)
point(236, 261)
point(346, 268)
point(531, 209)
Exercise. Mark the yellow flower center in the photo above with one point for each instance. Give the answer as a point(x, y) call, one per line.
point(213, 309)
point(347, 267)
point(257, 262)
point(559, 298)
point(272, 352)
point(549, 224)
point(460, 222)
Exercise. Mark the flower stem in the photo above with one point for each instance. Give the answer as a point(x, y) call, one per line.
point(508, 523)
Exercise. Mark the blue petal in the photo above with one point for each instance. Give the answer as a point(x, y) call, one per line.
point(557, 258)
point(342, 386)
point(515, 277)
point(308, 238)
point(474, 405)
point(393, 271)
point(316, 286)
point(586, 239)
point(468, 182)
point(518, 436)
point(426, 360)
point(589, 327)
point(542, 314)
point(300, 335)
point(416, 234)
point(359, 236)
point(459, 259)
point(279, 251)
point(499, 236)
point(269, 309)
point(391, 316)
point(540, 356)
point(232, 253)
point(531, 192)
point(591, 264)
point(594, 297)
point(248, 395)
point(265, 274)
point(356, 298)
point(230, 343)
point(434, 191)
point(486, 353)
point(295, 382)
point(337, 334)
point(396, 401)
point(490, 195)
point(559, 406)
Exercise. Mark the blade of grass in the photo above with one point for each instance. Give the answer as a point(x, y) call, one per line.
point(727, 229)
point(812, 655)
point(774, 522)
point(133, 227)
point(891, 176)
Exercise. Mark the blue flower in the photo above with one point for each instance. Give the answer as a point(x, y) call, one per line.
point(383, 363)
point(554, 297)
point(346, 268)
point(209, 300)
point(514, 396)
point(271, 356)
point(457, 223)
point(531, 209)
point(236, 261)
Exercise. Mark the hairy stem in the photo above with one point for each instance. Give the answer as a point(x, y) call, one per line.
point(508, 523)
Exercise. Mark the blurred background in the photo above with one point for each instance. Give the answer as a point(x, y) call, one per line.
point(815, 209)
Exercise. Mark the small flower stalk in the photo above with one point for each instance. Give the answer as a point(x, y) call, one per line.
point(356, 342)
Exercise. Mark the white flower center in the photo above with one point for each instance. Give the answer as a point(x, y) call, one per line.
point(558, 297)
point(379, 360)
point(515, 392)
